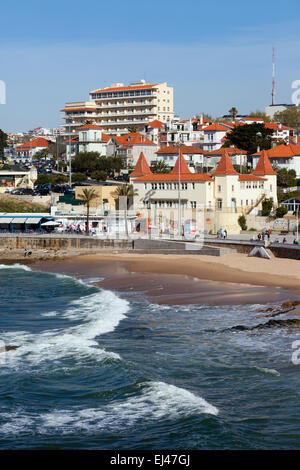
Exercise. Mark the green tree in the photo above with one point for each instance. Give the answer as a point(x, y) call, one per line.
point(242, 169)
point(160, 167)
point(127, 191)
point(242, 222)
point(281, 211)
point(99, 175)
point(250, 137)
point(267, 205)
point(41, 154)
point(87, 196)
point(132, 129)
point(233, 112)
point(261, 115)
point(78, 177)
point(285, 178)
point(289, 117)
point(3, 142)
point(59, 179)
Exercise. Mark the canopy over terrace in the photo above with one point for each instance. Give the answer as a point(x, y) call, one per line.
point(23, 222)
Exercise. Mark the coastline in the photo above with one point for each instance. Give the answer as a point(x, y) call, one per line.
point(183, 279)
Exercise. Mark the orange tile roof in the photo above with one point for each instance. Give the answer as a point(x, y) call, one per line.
point(230, 150)
point(263, 166)
point(185, 174)
point(133, 138)
point(89, 126)
point(251, 178)
point(79, 109)
point(155, 124)
point(283, 151)
point(186, 150)
point(276, 127)
point(216, 127)
point(39, 142)
point(225, 166)
point(141, 167)
point(124, 88)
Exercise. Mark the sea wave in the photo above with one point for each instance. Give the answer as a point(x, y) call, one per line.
point(15, 266)
point(265, 370)
point(99, 312)
point(152, 401)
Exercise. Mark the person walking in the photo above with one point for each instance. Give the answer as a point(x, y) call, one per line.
point(225, 233)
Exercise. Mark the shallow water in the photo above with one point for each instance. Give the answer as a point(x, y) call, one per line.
point(97, 370)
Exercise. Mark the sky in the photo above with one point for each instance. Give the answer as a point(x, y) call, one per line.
point(215, 54)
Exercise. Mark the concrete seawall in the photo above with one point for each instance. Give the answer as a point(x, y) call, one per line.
point(80, 243)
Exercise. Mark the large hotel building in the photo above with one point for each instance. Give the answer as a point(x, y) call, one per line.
point(118, 107)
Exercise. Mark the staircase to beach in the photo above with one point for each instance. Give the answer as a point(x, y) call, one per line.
point(250, 209)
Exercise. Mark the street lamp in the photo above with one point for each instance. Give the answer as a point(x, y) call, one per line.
point(179, 182)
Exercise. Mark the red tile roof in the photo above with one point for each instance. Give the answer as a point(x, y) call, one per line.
point(185, 174)
point(251, 178)
point(263, 166)
point(283, 151)
point(39, 142)
point(124, 88)
point(89, 126)
point(276, 127)
point(186, 150)
point(230, 150)
point(133, 138)
point(141, 167)
point(225, 166)
point(216, 127)
point(78, 109)
point(156, 124)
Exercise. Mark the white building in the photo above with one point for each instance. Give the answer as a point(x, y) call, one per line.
point(214, 136)
point(218, 198)
point(194, 156)
point(283, 156)
point(27, 150)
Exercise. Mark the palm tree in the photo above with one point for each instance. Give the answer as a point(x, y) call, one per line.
point(87, 196)
point(233, 111)
point(125, 190)
point(160, 167)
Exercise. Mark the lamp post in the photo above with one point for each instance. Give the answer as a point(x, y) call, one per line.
point(70, 157)
point(179, 194)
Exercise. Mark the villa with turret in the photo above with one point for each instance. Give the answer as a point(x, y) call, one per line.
point(220, 197)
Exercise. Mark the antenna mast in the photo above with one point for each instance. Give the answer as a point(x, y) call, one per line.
point(273, 76)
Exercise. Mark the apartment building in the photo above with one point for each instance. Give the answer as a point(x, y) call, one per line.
point(118, 107)
point(121, 107)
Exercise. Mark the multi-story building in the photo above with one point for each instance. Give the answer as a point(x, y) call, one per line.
point(118, 107)
point(217, 199)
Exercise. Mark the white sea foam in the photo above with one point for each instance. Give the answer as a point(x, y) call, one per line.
point(265, 370)
point(15, 266)
point(156, 401)
point(99, 312)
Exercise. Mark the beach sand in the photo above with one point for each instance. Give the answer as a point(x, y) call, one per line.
point(187, 279)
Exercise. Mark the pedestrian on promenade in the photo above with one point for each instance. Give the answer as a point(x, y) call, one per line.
point(225, 233)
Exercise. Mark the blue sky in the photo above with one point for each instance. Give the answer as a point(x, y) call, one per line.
point(215, 54)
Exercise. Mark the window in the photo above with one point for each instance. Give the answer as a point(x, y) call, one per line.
point(232, 188)
point(219, 204)
point(219, 188)
point(243, 185)
point(145, 185)
point(193, 185)
point(193, 204)
point(246, 202)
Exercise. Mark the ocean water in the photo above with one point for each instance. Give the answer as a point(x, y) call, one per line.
point(97, 370)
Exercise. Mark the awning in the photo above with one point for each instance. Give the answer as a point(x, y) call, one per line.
point(33, 220)
point(19, 220)
point(5, 220)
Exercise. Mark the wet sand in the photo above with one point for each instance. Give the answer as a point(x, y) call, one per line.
point(187, 279)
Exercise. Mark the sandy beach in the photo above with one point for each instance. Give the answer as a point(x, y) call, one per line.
point(233, 278)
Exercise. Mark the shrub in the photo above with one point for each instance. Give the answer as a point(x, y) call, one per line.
point(281, 211)
point(267, 205)
point(78, 177)
point(242, 222)
point(99, 175)
point(252, 229)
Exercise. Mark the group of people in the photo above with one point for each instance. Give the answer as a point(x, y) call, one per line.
point(264, 234)
point(27, 253)
point(222, 233)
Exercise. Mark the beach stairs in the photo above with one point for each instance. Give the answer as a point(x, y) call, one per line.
point(250, 209)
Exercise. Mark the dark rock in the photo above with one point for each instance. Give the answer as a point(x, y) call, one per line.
point(8, 348)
